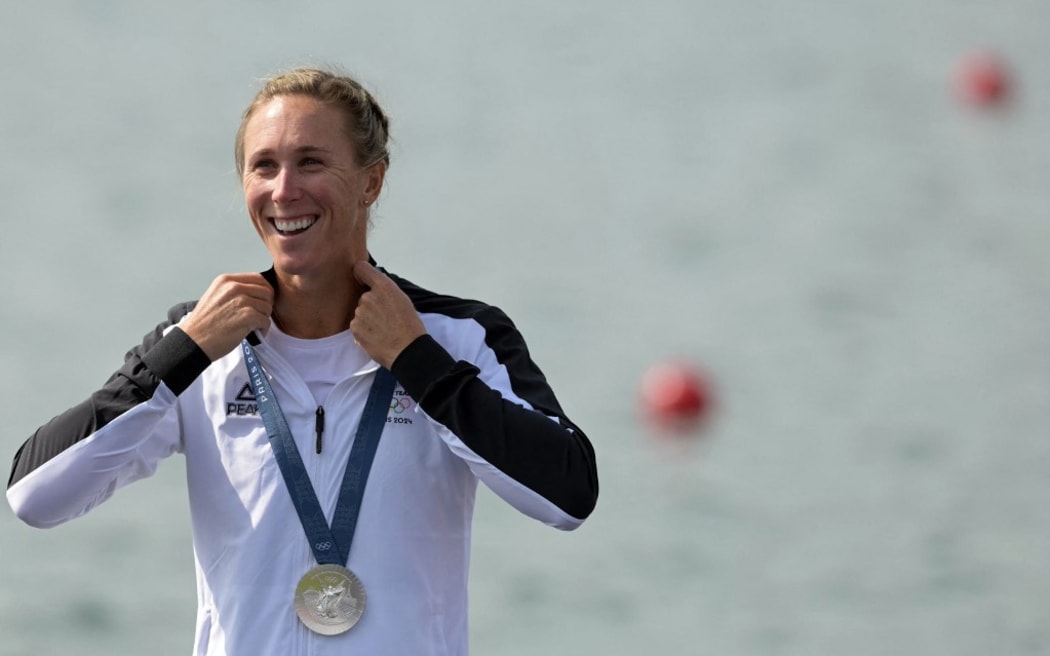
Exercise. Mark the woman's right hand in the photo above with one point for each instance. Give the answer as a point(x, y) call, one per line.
point(234, 305)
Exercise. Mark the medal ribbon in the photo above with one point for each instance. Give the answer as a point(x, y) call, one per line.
point(331, 545)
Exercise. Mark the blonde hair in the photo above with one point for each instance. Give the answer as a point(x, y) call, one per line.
point(366, 123)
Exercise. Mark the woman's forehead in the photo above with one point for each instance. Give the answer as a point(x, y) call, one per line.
point(295, 121)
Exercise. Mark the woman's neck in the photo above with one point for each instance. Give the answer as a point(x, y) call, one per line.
point(312, 310)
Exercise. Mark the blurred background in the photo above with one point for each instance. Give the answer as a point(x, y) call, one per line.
point(795, 198)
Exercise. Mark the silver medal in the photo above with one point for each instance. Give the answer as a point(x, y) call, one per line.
point(329, 599)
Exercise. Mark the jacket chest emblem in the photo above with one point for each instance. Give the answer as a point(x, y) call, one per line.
point(243, 404)
point(401, 405)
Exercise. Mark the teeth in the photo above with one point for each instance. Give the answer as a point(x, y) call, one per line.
point(292, 225)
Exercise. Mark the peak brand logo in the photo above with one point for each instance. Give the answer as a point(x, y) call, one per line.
point(244, 404)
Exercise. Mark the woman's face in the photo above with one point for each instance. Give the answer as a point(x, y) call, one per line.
point(305, 191)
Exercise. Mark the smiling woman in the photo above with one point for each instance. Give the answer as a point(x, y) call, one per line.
point(312, 153)
point(287, 538)
point(308, 198)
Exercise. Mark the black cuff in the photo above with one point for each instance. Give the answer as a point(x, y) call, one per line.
point(177, 360)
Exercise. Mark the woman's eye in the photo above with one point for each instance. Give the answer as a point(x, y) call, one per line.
point(311, 161)
point(264, 165)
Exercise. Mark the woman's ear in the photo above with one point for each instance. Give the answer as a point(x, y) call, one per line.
point(376, 173)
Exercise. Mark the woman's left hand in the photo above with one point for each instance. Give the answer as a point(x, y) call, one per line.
point(385, 321)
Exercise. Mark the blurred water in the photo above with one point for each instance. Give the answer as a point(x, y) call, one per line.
point(786, 193)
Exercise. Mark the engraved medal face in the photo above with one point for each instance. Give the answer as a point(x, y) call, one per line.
point(329, 599)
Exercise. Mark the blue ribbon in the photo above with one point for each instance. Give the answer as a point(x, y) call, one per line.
point(331, 545)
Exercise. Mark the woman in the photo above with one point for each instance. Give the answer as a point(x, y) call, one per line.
point(308, 345)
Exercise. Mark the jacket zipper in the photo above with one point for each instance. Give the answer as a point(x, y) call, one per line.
point(319, 426)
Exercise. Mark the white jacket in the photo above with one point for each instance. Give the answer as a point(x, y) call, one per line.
point(469, 405)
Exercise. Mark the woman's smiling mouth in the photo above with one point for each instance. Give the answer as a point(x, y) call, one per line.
point(294, 226)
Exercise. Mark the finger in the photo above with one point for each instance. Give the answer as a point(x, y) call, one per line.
point(252, 287)
point(367, 274)
point(263, 294)
point(256, 283)
point(228, 285)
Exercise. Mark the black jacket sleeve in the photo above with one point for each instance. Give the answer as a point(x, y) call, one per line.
point(538, 447)
point(165, 354)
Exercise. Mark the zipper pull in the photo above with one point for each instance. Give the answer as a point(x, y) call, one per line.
point(319, 426)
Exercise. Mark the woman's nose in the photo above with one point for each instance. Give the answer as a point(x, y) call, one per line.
point(286, 186)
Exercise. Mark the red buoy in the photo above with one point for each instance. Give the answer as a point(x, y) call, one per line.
point(675, 396)
point(983, 79)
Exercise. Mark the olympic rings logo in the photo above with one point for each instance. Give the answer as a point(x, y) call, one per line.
point(399, 405)
point(323, 546)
